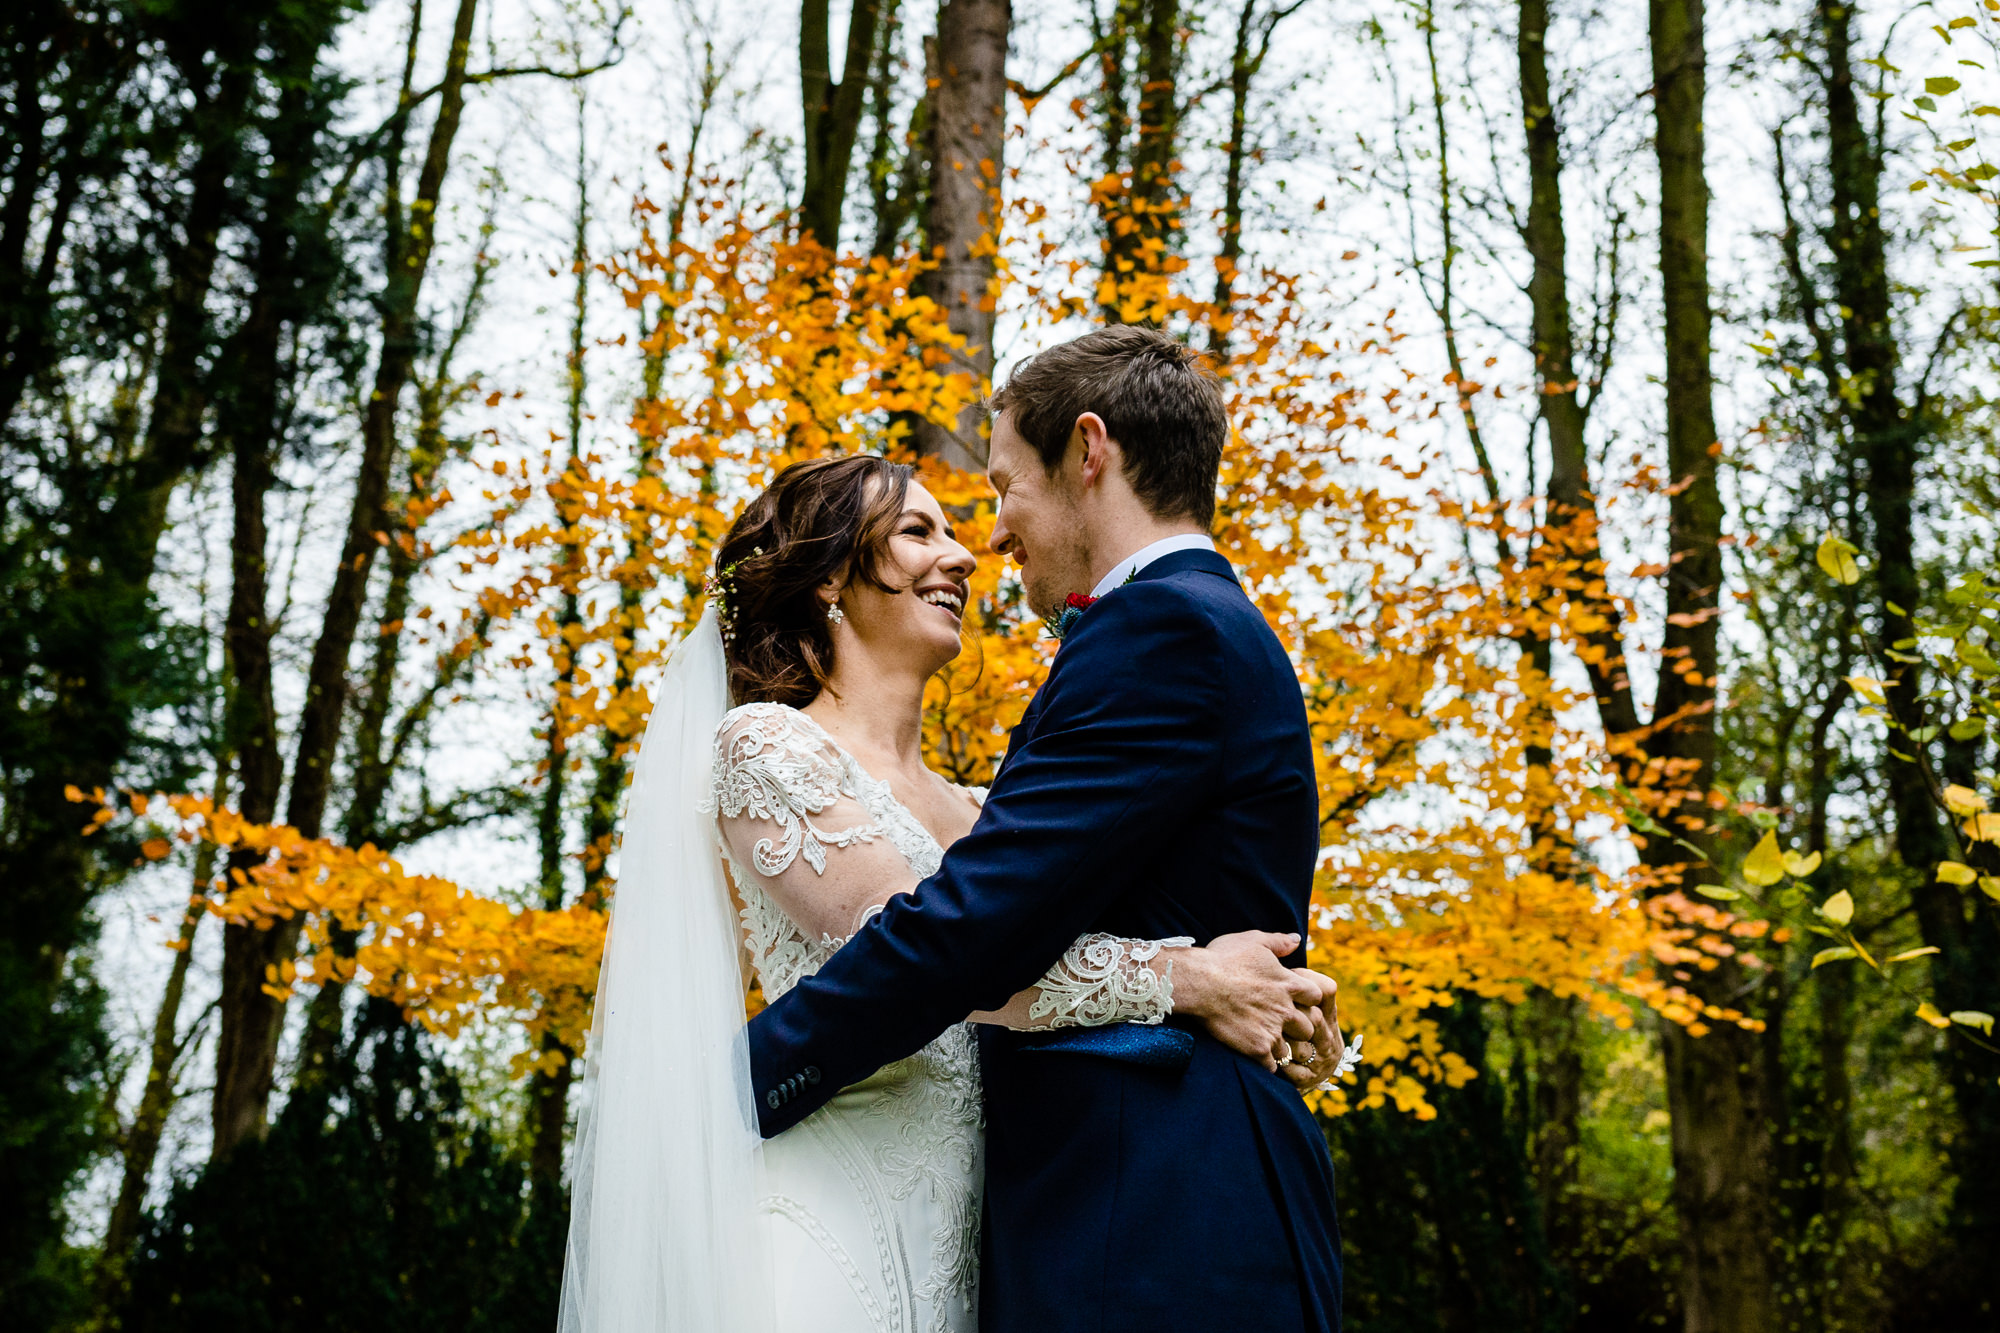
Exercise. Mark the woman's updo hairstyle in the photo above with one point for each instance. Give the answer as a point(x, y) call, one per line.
point(828, 518)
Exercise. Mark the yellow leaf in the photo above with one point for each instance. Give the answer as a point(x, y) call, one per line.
point(1720, 895)
point(1982, 828)
point(140, 805)
point(1929, 1013)
point(1765, 865)
point(1972, 1018)
point(1869, 688)
point(1838, 909)
point(1990, 886)
point(1959, 800)
point(1955, 872)
point(1836, 557)
point(72, 792)
point(1907, 954)
point(1832, 955)
point(1798, 867)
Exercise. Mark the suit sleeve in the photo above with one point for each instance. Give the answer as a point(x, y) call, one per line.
point(1128, 741)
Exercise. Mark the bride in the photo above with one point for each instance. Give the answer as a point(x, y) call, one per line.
point(839, 594)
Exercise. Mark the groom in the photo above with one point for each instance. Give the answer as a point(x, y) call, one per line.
point(1161, 783)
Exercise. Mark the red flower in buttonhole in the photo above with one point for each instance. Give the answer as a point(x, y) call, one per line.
point(1073, 607)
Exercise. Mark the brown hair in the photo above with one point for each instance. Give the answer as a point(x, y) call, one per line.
point(1156, 397)
point(829, 518)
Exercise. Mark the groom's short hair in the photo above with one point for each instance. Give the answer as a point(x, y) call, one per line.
point(1156, 397)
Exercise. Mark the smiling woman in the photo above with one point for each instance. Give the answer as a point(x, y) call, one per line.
point(826, 523)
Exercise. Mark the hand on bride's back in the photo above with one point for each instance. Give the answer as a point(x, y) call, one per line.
point(1249, 1000)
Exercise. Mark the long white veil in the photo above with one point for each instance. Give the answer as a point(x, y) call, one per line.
point(663, 1234)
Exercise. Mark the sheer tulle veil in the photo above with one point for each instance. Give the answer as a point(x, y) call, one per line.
point(664, 1235)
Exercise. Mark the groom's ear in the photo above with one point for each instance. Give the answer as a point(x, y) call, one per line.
point(1099, 452)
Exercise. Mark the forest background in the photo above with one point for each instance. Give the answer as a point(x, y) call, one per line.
point(1615, 453)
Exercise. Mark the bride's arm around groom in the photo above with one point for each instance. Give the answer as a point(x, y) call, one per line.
point(1160, 784)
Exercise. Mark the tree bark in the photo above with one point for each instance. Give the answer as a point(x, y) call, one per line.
point(832, 110)
point(1141, 221)
point(1889, 435)
point(1572, 505)
point(253, 1020)
point(1722, 1177)
point(968, 124)
point(156, 1100)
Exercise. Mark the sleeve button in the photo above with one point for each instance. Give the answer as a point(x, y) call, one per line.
point(812, 1074)
point(771, 1099)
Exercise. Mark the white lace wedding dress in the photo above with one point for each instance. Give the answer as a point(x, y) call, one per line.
point(871, 1204)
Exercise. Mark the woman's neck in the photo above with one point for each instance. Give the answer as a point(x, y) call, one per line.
point(874, 706)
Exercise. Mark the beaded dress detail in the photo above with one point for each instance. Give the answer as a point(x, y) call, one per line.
point(878, 1191)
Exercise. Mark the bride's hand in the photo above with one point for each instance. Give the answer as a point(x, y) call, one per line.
point(1249, 1001)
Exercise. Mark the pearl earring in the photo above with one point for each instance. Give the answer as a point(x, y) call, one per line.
point(834, 614)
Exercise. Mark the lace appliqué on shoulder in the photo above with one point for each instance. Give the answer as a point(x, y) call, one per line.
point(1107, 979)
point(772, 762)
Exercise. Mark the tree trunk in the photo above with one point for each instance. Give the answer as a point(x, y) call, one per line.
point(252, 1020)
point(832, 110)
point(1572, 506)
point(1139, 222)
point(1722, 1177)
point(156, 1100)
point(1889, 437)
point(968, 124)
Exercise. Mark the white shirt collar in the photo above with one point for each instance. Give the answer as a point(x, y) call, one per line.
point(1138, 560)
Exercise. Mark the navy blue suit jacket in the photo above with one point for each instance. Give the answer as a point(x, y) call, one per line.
point(1161, 783)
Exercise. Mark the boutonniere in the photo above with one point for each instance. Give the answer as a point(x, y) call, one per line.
point(1073, 608)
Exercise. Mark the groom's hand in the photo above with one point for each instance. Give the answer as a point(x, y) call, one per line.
point(1315, 1060)
point(1248, 1000)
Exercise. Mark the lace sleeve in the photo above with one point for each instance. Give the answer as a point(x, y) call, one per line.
point(1103, 979)
point(771, 769)
point(783, 797)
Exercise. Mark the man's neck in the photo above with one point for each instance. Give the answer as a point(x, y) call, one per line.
point(1130, 539)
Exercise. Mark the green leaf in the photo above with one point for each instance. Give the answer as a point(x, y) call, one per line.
point(1986, 111)
point(1832, 955)
point(1962, 21)
point(1907, 954)
point(1972, 1018)
point(1985, 171)
point(1765, 865)
point(1925, 103)
point(1967, 727)
point(1957, 146)
point(1838, 909)
point(1941, 85)
point(1718, 893)
point(1798, 867)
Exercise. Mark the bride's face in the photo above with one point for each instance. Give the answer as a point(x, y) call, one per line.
point(929, 569)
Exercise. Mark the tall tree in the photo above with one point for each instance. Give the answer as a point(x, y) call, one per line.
point(1887, 415)
point(832, 108)
point(1140, 45)
point(252, 1018)
point(1255, 26)
point(1722, 1176)
point(84, 658)
point(967, 124)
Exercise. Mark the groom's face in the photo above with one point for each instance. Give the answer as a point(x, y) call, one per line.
point(1038, 524)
